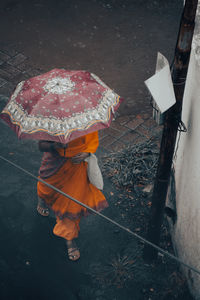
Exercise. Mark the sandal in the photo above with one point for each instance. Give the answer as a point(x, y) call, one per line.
point(72, 250)
point(42, 209)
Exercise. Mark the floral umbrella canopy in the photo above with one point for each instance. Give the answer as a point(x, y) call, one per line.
point(60, 106)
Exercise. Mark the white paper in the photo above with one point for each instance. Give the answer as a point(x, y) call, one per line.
point(160, 85)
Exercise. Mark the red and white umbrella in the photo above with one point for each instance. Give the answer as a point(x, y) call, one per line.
point(60, 106)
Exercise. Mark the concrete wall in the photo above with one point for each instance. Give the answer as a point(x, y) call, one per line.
point(186, 231)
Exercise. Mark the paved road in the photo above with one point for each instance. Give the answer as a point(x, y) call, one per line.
point(33, 262)
point(117, 40)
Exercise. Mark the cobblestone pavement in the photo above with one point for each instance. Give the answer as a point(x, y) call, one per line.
point(124, 130)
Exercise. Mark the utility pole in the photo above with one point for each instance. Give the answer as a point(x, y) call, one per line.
point(171, 123)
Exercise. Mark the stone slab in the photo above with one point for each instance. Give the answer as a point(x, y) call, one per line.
point(2, 81)
point(10, 70)
point(133, 124)
point(16, 60)
point(107, 141)
point(129, 137)
point(4, 57)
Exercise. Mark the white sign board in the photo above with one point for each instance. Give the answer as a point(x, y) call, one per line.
point(160, 85)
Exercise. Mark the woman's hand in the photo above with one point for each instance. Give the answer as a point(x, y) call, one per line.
point(60, 145)
point(77, 159)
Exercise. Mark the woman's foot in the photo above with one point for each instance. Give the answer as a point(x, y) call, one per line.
point(72, 250)
point(42, 208)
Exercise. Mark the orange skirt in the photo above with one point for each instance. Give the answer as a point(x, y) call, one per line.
point(72, 179)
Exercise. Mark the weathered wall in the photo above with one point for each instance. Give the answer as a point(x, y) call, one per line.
point(186, 231)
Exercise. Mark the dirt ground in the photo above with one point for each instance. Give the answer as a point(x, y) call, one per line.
point(118, 40)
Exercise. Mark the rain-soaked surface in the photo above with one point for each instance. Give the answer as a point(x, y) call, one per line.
point(117, 40)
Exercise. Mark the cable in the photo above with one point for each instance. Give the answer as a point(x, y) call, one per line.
point(181, 128)
point(103, 216)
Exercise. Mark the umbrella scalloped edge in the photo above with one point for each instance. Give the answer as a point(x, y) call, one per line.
point(64, 129)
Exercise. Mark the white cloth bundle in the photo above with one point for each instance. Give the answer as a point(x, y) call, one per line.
point(94, 172)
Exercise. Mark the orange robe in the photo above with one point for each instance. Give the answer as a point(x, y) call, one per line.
point(73, 180)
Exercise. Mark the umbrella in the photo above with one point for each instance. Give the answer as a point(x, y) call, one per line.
point(60, 106)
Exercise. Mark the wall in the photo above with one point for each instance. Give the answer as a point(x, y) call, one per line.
point(186, 231)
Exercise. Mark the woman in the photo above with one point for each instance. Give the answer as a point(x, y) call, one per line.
point(64, 167)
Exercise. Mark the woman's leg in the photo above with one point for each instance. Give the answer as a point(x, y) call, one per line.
point(42, 208)
point(69, 230)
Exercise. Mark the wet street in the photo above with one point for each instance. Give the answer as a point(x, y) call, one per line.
point(117, 40)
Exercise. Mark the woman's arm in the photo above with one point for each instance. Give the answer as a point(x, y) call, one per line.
point(48, 146)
